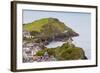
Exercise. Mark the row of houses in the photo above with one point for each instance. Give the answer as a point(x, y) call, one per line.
point(27, 34)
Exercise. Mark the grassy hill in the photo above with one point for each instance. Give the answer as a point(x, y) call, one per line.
point(46, 30)
point(37, 25)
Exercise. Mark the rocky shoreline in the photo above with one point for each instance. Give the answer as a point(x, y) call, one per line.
point(32, 50)
point(40, 33)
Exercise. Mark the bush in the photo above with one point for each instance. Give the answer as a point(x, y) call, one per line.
point(51, 51)
point(34, 33)
point(40, 53)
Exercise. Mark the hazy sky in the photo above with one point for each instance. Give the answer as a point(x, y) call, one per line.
point(79, 22)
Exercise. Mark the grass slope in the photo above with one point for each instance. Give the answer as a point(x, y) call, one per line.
point(37, 25)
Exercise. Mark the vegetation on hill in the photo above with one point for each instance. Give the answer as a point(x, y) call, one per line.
point(37, 25)
point(65, 52)
point(48, 29)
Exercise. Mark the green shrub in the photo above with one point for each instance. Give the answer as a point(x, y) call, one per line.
point(40, 53)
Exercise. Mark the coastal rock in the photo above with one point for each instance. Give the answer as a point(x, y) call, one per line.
point(39, 33)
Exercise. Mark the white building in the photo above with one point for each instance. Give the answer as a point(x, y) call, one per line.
point(27, 34)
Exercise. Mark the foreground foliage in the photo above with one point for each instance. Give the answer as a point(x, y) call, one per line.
point(65, 52)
